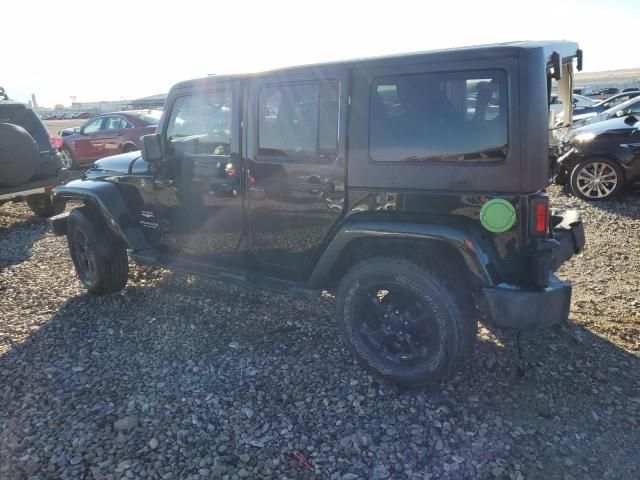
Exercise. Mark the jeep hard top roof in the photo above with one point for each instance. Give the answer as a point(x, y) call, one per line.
point(538, 49)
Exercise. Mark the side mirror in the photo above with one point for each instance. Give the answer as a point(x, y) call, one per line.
point(631, 120)
point(619, 113)
point(151, 148)
point(77, 130)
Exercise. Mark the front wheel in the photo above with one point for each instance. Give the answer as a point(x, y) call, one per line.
point(597, 178)
point(401, 322)
point(67, 160)
point(99, 258)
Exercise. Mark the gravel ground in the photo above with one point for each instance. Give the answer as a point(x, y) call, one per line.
point(183, 377)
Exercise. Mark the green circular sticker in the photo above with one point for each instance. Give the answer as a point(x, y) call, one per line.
point(497, 215)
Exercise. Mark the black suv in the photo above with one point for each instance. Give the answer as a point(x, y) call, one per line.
point(410, 186)
point(29, 160)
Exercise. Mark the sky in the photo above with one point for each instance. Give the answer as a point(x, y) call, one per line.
point(129, 49)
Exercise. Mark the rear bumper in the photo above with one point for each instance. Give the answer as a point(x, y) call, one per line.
point(514, 307)
point(19, 192)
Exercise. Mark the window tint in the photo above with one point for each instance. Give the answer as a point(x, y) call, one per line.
point(299, 120)
point(450, 116)
point(200, 124)
point(93, 126)
point(116, 123)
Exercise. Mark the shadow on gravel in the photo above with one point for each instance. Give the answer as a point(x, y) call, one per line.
point(228, 380)
point(17, 239)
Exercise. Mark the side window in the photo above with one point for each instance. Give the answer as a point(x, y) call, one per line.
point(299, 120)
point(115, 123)
point(94, 125)
point(200, 124)
point(451, 116)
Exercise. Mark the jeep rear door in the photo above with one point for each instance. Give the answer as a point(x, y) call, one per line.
point(296, 165)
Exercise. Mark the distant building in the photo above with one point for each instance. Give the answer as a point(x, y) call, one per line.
point(152, 102)
point(101, 107)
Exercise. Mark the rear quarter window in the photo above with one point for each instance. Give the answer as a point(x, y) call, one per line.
point(439, 117)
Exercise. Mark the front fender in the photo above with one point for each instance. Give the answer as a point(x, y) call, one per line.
point(108, 200)
point(471, 252)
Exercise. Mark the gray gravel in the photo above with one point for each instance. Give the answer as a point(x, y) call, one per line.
point(183, 377)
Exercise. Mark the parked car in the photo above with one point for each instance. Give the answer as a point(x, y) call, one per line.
point(631, 89)
point(608, 91)
point(606, 104)
point(372, 179)
point(601, 158)
point(579, 101)
point(29, 160)
point(105, 135)
point(630, 107)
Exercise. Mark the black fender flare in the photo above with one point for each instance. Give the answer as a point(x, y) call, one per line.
point(471, 252)
point(108, 201)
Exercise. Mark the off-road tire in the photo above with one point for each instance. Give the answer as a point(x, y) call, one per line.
point(111, 267)
point(44, 206)
point(612, 164)
point(455, 326)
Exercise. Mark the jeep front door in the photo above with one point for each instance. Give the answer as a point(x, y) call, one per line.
point(199, 192)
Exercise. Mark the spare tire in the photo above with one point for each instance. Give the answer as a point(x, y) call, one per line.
point(19, 155)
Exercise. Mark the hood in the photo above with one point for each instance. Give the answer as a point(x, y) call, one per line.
point(614, 125)
point(117, 163)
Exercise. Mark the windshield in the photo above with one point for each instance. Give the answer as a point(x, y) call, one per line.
point(151, 118)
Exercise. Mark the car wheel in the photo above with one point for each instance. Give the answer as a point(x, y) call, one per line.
point(67, 160)
point(401, 322)
point(99, 258)
point(44, 206)
point(597, 178)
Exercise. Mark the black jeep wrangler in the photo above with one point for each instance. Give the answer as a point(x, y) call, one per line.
point(29, 160)
point(411, 186)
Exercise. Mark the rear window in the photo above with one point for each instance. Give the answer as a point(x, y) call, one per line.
point(27, 119)
point(451, 116)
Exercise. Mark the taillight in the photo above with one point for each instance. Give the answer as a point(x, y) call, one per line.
point(541, 217)
point(56, 142)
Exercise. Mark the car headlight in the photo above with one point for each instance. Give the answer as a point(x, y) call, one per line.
point(584, 137)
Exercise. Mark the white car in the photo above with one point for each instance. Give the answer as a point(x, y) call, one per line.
point(624, 109)
point(577, 100)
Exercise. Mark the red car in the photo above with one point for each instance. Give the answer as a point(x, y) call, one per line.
point(105, 135)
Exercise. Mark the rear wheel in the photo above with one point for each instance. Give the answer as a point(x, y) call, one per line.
point(44, 206)
point(597, 178)
point(401, 322)
point(99, 258)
